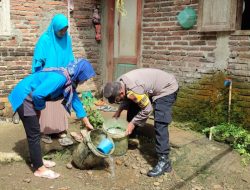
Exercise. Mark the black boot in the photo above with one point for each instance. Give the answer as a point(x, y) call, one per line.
point(163, 165)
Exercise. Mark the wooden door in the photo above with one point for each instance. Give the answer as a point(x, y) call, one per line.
point(124, 33)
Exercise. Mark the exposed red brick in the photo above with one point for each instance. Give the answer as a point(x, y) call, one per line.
point(29, 20)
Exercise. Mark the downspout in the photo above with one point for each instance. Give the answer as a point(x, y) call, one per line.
point(70, 9)
point(69, 16)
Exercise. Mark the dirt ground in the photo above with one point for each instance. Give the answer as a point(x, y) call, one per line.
point(199, 164)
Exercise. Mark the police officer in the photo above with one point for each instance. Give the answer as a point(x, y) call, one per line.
point(142, 91)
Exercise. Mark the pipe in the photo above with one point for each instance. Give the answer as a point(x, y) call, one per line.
point(229, 101)
point(69, 17)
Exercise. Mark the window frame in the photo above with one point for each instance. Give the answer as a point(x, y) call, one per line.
point(236, 30)
point(216, 25)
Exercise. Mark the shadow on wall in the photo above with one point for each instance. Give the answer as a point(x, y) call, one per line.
point(206, 103)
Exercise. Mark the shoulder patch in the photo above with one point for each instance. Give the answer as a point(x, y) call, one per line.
point(141, 99)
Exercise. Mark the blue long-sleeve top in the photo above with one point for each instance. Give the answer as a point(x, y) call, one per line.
point(43, 86)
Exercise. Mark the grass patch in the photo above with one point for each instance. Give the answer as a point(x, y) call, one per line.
point(237, 137)
point(64, 155)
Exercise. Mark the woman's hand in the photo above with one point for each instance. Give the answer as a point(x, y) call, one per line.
point(87, 124)
point(130, 128)
point(89, 127)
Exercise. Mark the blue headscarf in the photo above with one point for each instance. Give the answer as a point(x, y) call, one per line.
point(76, 72)
point(80, 70)
point(51, 50)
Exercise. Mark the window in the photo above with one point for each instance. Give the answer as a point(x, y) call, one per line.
point(223, 15)
point(245, 24)
point(4, 17)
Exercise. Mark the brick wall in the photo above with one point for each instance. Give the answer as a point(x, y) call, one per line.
point(191, 55)
point(83, 37)
point(28, 21)
point(239, 69)
point(186, 53)
point(166, 45)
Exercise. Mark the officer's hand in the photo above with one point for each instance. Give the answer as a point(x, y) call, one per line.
point(130, 128)
point(117, 114)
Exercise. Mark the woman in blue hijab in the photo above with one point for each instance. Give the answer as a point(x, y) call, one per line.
point(29, 97)
point(53, 49)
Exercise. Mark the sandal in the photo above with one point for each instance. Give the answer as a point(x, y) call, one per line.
point(46, 139)
point(65, 141)
point(62, 135)
point(48, 163)
point(76, 136)
point(107, 108)
point(47, 174)
point(99, 103)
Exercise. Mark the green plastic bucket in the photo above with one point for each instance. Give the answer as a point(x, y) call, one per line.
point(187, 18)
point(86, 155)
point(116, 128)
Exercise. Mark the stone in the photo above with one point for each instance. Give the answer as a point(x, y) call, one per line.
point(69, 166)
point(218, 187)
point(143, 171)
point(79, 176)
point(118, 162)
point(245, 179)
point(27, 180)
point(156, 183)
point(63, 188)
point(196, 187)
point(160, 180)
point(89, 172)
point(143, 162)
point(134, 167)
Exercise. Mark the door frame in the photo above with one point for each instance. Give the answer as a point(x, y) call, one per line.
point(110, 38)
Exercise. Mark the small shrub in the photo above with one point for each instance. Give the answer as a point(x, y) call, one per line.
point(236, 136)
point(95, 117)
